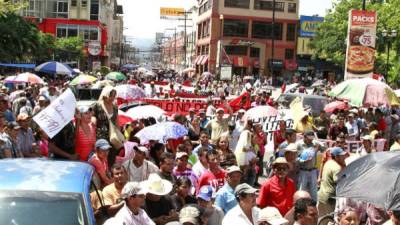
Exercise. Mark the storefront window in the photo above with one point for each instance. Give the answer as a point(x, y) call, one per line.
point(264, 30)
point(292, 7)
point(245, 4)
point(236, 28)
point(236, 50)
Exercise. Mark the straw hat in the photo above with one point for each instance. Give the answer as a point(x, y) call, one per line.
point(156, 185)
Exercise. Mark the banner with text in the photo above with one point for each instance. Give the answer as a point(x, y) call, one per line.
point(58, 114)
point(361, 38)
point(352, 146)
point(176, 106)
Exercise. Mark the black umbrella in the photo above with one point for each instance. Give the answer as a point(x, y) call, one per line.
point(373, 178)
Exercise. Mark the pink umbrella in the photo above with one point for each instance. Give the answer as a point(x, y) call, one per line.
point(339, 105)
point(28, 78)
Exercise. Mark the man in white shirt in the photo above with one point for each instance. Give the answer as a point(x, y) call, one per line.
point(352, 128)
point(139, 168)
point(131, 213)
point(246, 212)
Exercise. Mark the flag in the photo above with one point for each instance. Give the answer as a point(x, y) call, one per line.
point(241, 102)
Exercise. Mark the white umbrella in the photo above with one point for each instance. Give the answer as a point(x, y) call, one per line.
point(260, 112)
point(162, 132)
point(145, 111)
point(129, 91)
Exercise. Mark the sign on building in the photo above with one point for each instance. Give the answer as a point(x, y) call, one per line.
point(361, 38)
point(168, 12)
point(309, 25)
point(94, 48)
point(226, 73)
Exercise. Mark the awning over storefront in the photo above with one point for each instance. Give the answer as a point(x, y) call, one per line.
point(196, 60)
point(241, 61)
point(199, 59)
point(204, 60)
point(19, 65)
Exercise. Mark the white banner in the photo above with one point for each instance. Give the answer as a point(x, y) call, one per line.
point(58, 114)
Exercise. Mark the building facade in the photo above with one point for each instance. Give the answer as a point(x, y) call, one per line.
point(240, 33)
point(98, 22)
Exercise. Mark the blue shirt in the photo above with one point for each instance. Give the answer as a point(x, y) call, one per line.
point(225, 198)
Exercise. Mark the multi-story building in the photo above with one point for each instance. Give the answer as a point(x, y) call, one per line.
point(96, 21)
point(243, 28)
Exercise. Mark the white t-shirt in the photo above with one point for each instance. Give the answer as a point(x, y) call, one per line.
point(352, 129)
point(141, 173)
point(198, 169)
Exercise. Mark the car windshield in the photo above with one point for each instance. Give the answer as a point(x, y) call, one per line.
point(41, 208)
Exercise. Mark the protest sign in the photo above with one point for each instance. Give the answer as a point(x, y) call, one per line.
point(58, 114)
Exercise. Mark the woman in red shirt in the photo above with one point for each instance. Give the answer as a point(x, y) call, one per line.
point(85, 135)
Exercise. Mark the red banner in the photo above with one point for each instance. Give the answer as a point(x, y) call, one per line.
point(172, 107)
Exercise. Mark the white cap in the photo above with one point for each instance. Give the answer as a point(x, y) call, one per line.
point(272, 216)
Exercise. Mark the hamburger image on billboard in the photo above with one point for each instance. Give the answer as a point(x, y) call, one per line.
point(360, 53)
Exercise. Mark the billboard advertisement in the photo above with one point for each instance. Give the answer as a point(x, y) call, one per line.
point(309, 25)
point(361, 38)
point(167, 12)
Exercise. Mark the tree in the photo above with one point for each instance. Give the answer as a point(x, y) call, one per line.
point(330, 40)
point(67, 49)
point(7, 6)
point(18, 38)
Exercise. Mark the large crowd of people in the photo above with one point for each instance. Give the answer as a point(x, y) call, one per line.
point(221, 172)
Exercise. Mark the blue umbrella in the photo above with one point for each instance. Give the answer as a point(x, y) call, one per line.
point(130, 66)
point(55, 68)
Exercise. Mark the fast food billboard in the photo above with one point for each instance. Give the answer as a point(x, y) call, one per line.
point(361, 38)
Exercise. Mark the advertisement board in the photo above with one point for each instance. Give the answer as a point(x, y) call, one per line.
point(226, 73)
point(309, 25)
point(361, 38)
point(166, 12)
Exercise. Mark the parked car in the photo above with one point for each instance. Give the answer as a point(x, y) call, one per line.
point(45, 192)
point(316, 102)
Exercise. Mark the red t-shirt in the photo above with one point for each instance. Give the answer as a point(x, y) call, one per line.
point(275, 195)
point(214, 180)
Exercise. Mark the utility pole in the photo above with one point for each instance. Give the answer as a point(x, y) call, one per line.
point(273, 42)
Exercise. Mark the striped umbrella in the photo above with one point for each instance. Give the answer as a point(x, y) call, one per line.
point(28, 78)
point(55, 68)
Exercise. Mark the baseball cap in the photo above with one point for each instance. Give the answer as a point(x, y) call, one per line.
point(13, 125)
point(102, 144)
point(22, 117)
point(233, 169)
point(337, 151)
point(84, 109)
point(290, 148)
point(189, 214)
point(220, 109)
point(309, 133)
point(141, 148)
point(42, 98)
point(280, 160)
point(206, 193)
point(272, 216)
point(244, 188)
point(366, 138)
point(180, 155)
point(132, 188)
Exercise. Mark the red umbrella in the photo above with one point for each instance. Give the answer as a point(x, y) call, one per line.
point(123, 118)
point(336, 105)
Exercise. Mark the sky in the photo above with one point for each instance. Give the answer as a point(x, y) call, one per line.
point(141, 17)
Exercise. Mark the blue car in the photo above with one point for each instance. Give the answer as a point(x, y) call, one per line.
point(45, 192)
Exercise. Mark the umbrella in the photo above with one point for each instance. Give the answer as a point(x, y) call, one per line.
point(340, 105)
point(116, 76)
point(28, 78)
point(145, 111)
point(129, 66)
point(260, 112)
point(55, 68)
point(9, 79)
point(129, 91)
point(83, 79)
point(365, 92)
point(162, 132)
point(372, 178)
point(150, 74)
point(189, 70)
point(123, 118)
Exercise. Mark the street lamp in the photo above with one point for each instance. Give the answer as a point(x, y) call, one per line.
point(387, 37)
